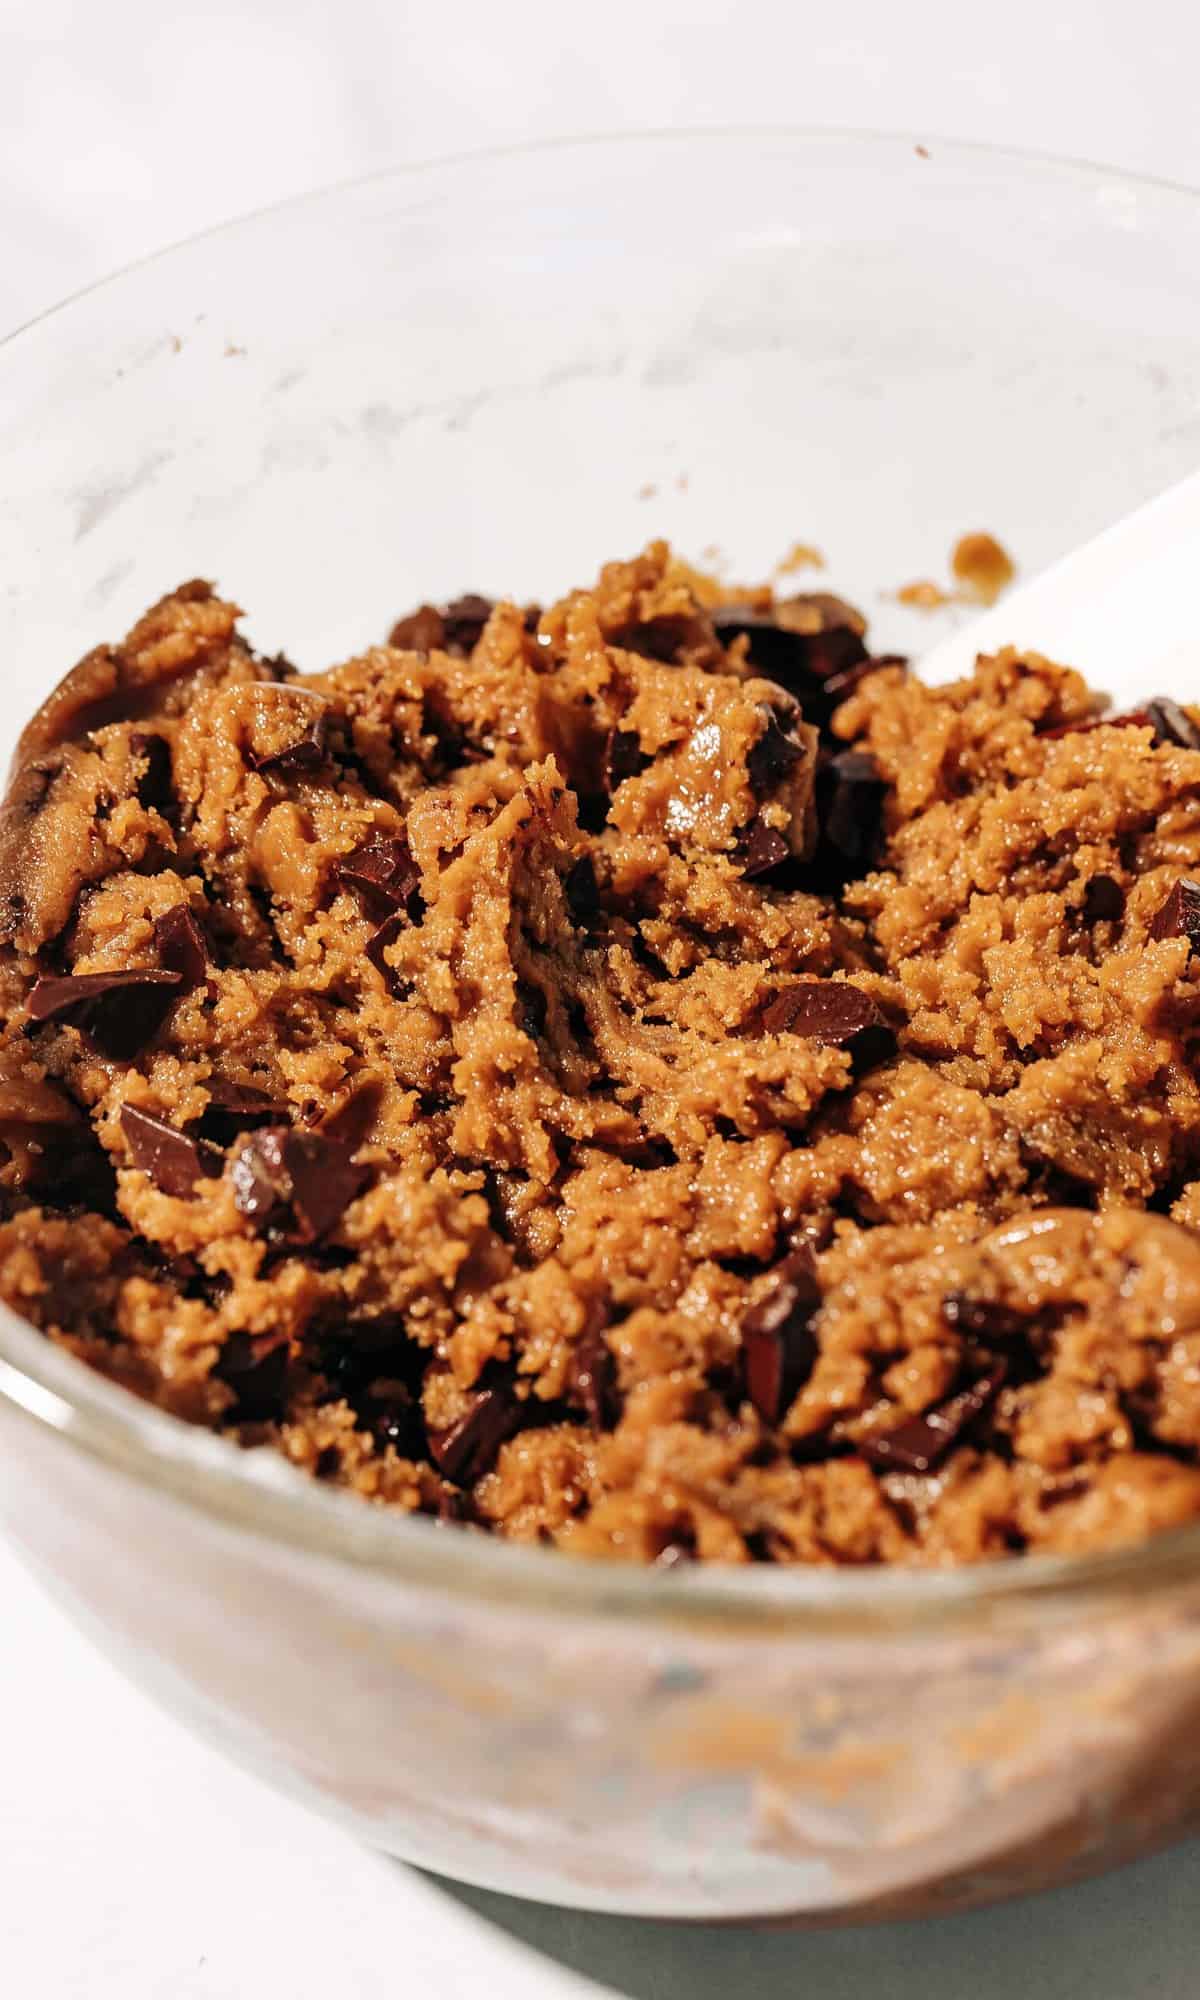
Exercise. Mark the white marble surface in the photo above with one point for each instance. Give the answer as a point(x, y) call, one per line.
point(134, 1865)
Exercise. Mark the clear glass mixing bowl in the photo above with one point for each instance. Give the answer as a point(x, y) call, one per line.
point(489, 374)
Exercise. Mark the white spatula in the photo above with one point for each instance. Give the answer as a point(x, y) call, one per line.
point(1124, 608)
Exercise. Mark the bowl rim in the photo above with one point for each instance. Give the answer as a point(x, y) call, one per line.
point(259, 1494)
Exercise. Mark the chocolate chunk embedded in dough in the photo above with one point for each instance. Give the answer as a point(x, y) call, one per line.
point(182, 946)
point(383, 870)
point(467, 1449)
point(294, 1184)
point(1172, 724)
point(1103, 900)
point(173, 1159)
point(832, 1011)
point(120, 1012)
point(778, 1344)
point(1179, 916)
point(920, 1444)
point(762, 849)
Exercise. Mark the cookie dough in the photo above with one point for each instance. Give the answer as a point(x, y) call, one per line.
point(644, 1076)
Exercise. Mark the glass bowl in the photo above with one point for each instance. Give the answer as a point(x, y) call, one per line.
point(489, 374)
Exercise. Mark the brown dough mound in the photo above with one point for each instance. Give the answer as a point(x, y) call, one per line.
point(643, 1076)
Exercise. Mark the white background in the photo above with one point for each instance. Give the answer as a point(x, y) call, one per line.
point(133, 1864)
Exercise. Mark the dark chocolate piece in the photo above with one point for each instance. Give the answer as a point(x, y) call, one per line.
point(307, 753)
point(819, 706)
point(919, 1444)
point(255, 1368)
point(173, 1160)
point(120, 1012)
point(182, 946)
point(155, 789)
point(775, 755)
point(383, 870)
point(778, 1345)
point(467, 1449)
point(397, 1421)
point(423, 631)
point(366, 1351)
point(833, 1012)
point(593, 1380)
point(1130, 718)
point(582, 893)
point(778, 645)
point(666, 637)
point(532, 1009)
point(463, 620)
point(623, 758)
point(985, 1320)
point(1172, 724)
point(763, 848)
point(234, 1108)
point(379, 941)
point(451, 628)
point(1103, 900)
point(295, 1184)
point(1179, 916)
point(850, 795)
point(351, 1120)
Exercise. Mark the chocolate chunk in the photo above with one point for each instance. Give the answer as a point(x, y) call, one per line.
point(778, 1345)
point(379, 942)
point(467, 1449)
point(118, 1011)
point(801, 644)
point(383, 870)
point(985, 1320)
point(1172, 724)
point(763, 848)
point(296, 1185)
point(374, 1367)
point(1103, 900)
point(234, 1108)
point(366, 1351)
point(1061, 1490)
point(155, 790)
point(255, 1368)
point(850, 795)
point(666, 637)
point(623, 758)
point(397, 1421)
point(173, 1160)
point(452, 628)
point(592, 1382)
point(1131, 718)
point(307, 753)
point(532, 1009)
point(464, 619)
point(1179, 916)
point(820, 703)
point(582, 893)
point(421, 632)
point(920, 1444)
point(350, 1121)
point(182, 946)
point(325, 1180)
point(775, 755)
point(833, 1012)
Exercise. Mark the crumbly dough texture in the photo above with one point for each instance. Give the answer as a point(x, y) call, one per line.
point(641, 1076)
